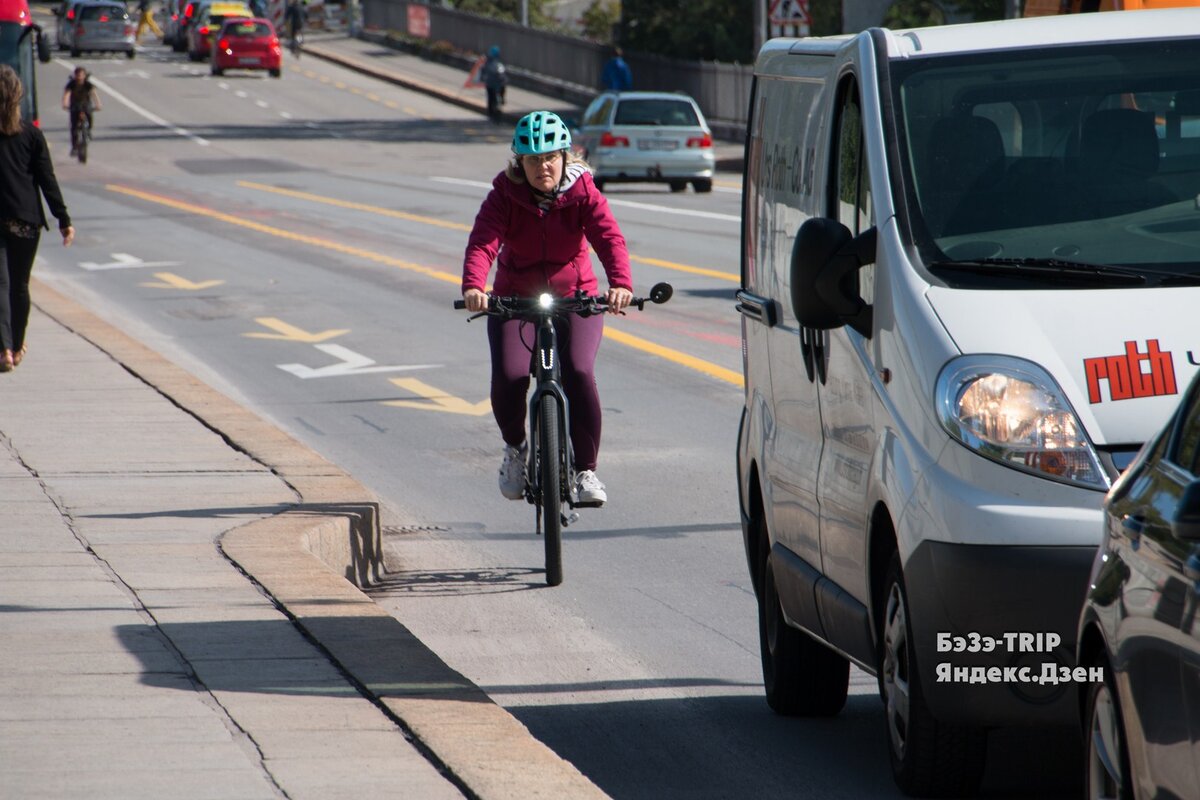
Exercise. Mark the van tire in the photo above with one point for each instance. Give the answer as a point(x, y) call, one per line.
point(599, 182)
point(801, 676)
point(929, 758)
point(678, 186)
point(702, 185)
point(74, 52)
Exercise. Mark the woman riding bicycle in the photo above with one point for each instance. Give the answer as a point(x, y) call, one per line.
point(536, 224)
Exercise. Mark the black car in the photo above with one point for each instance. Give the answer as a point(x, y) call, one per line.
point(1138, 630)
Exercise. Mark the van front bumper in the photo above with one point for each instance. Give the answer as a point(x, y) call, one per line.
point(1020, 602)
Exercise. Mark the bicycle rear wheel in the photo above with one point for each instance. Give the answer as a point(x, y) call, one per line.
point(550, 474)
point(81, 141)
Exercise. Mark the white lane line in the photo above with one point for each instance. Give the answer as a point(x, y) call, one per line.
point(624, 203)
point(134, 107)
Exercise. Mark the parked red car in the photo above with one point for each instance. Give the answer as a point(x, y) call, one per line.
point(247, 44)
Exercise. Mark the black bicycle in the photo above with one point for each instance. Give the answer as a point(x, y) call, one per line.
point(550, 477)
point(80, 133)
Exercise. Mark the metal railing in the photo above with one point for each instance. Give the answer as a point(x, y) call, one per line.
point(574, 65)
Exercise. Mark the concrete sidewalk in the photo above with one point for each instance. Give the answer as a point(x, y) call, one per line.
point(372, 56)
point(179, 610)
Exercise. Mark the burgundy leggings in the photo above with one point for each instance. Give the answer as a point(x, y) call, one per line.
point(512, 343)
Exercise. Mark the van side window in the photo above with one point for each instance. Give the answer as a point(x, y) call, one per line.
point(853, 182)
point(853, 189)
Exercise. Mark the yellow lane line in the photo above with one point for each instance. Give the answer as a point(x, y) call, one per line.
point(711, 273)
point(315, 241)
point(386, 212)
point(636, 342)
point(457, 226)
point(683, 359)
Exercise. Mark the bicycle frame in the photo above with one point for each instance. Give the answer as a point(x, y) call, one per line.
point(546, 374)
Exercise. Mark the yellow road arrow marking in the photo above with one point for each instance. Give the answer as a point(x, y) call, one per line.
point(173, 281)
point(290, 333)
point(436, 399)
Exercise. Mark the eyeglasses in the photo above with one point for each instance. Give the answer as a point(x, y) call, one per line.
point(544, 158)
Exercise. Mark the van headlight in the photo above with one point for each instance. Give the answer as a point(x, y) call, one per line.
point(1011, 411)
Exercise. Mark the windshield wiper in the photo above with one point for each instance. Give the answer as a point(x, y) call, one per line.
point(1051, 268)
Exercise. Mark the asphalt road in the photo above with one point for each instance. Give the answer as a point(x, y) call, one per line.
point(297, 244)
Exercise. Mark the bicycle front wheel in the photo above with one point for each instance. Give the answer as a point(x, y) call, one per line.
point(550, 475)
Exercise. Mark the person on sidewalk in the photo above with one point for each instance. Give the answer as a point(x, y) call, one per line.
point(616, 76)
point(536, 224)
point(494, 77)
point(25, 170)
point(146, 20)
point(80, 95)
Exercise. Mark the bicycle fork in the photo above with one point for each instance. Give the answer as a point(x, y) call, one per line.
point(546, 373)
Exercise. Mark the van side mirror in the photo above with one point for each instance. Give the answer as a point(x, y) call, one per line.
point(1185, 522)
point(825, 258)
point(43, 48)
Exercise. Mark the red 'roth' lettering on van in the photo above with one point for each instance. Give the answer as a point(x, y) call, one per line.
point(1126, 375)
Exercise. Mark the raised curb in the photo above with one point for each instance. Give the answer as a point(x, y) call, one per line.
point(312, 559)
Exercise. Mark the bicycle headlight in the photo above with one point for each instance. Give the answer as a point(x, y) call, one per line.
point(1011, 411)
point(545, 300)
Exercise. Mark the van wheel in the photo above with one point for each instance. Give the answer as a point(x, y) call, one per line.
point(702, 185)
point(801, 676)
point(74, 52)
point(678, 186)
point(216, 71)
point(929, 758)
point(130, 54)
point(599, 183)
point(1107, 765)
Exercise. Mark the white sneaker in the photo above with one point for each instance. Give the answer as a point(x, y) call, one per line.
point(589, 489)
point(512, 472)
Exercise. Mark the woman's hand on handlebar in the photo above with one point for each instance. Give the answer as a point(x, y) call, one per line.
point(475, 300)
point(618, 299)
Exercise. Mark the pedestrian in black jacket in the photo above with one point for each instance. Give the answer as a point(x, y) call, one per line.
point(25, 170)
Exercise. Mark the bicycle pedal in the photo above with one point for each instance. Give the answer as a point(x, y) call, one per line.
point(569, 519)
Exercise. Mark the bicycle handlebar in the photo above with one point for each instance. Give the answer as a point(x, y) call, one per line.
point(659, 293)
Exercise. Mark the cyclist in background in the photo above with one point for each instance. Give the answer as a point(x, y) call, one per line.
point(80, 95)
point(536, 224)
point(295, 23)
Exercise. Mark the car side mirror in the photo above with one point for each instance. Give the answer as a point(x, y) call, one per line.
point(825, 258)
point(1185, 522)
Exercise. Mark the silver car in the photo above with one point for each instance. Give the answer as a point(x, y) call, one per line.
point(635, 137)
point(102, 26)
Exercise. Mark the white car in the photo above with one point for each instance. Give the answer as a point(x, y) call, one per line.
point(638, 137)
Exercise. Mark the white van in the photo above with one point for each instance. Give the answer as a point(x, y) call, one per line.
point(970, 292)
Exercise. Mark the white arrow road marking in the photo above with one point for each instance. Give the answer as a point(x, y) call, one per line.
point(126, 261)
point(351, 363)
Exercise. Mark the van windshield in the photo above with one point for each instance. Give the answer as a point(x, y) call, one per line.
point(1085, 155)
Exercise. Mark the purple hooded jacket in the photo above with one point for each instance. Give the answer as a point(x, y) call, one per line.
point(542, 250)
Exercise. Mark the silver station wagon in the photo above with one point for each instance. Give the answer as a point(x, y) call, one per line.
point(636, 137)
point(102, 27)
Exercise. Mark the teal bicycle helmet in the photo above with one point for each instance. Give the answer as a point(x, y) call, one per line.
point(540, 132)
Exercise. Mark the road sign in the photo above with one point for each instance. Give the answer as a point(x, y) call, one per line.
point(789, 17)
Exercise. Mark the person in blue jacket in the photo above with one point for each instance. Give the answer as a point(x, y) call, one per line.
point(616, 76)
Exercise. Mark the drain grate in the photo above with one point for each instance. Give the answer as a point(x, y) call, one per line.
point(402, 529)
